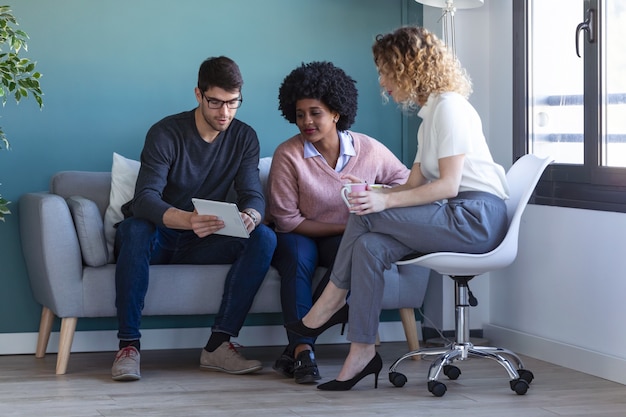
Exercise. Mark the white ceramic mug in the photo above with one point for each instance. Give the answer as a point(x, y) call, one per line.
point(352, 187)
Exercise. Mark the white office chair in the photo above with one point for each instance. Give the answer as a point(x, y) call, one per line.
point(462, 267)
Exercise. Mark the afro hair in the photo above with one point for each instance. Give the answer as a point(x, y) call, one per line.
point(320, 81)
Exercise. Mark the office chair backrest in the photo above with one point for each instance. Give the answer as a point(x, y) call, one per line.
point(522, 178)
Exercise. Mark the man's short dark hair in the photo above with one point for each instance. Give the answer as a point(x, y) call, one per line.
point(321, 81)
point(220, 72)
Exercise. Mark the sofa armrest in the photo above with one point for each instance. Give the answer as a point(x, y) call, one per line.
point(52, 253)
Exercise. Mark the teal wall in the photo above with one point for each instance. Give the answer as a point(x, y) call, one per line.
point(111, 69)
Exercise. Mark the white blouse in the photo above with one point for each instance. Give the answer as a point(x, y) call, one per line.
point(451, 126)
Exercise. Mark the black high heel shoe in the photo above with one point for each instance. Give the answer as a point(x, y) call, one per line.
point(373, 367)
point(341, 316)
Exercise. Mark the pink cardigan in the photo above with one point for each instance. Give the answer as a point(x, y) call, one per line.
point(308, 188)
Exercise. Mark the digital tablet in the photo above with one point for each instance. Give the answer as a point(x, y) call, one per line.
point(227, 212)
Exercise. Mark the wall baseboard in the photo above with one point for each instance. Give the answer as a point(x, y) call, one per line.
point(188, 338)
point(573, 357)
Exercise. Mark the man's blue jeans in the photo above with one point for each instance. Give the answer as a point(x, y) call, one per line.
point(295, 259)
point(139, 244)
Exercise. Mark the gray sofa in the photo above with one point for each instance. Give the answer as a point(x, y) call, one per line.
point(68, 287)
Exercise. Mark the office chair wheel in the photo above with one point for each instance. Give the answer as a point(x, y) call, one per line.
point(452, 371)
point(520, 386)
point(526, 375)
point(437, 388)
point(397, 379)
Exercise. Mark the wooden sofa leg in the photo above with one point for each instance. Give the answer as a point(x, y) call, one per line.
point(45, 327)
point(68, 326)
point(407, 315)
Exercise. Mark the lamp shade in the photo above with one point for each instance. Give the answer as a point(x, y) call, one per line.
point(459, 4)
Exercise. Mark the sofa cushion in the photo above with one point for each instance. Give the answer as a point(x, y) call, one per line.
point(95, 186)
point(124, 173)
point(264, 171)
point(89, 229)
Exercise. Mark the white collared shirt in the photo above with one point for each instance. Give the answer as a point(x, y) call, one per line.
point(346, 150)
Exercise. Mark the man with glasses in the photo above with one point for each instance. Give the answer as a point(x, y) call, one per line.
point(197, 153)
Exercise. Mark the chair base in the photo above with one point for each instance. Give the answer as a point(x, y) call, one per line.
point(462, 348)
point(519, 377)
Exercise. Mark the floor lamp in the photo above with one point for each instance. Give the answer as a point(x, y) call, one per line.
point(449, 7)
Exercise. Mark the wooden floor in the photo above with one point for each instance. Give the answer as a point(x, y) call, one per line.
point(173, 385)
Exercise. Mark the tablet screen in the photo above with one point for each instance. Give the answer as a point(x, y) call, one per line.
point(227, 212)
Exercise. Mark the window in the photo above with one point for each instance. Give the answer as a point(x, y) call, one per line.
point(569, 107)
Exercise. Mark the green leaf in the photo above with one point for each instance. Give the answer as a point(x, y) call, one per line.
point(16, 44)
point(3, 208)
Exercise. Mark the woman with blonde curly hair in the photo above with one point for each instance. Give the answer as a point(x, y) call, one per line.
point(453, 200)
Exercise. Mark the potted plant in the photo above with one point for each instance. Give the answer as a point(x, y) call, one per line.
point(17, 75)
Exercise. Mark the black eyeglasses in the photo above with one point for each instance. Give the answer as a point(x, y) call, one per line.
point(217, 104)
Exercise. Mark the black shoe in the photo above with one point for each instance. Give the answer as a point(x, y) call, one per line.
point(373, 367)
point(284, 364)
point(340, 316)
point(305, 369)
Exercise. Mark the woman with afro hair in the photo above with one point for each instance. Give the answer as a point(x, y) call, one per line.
point(453, 200)
point(305, 180)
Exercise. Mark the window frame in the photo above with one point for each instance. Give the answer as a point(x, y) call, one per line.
point(587, 186)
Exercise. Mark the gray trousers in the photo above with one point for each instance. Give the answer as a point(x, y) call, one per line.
point(473, 222)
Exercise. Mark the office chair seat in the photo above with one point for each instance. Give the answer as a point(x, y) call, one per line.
point(462, 267)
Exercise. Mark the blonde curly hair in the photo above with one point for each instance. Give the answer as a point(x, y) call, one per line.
point(419, 64)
